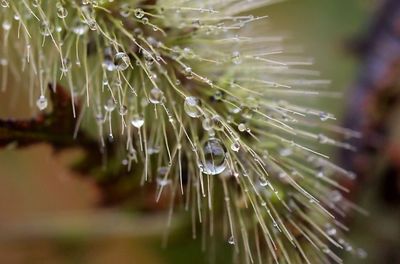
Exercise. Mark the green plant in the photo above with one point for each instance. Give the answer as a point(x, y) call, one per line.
point(197, 98)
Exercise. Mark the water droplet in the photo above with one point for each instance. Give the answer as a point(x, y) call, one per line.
point(231, 240)
point(163, 182)
point(6, 25)
point(80, 28)
point(99, 118)
point(236, 57)
point(263, 181)
point(123, 110)
point(284, 152)
point(110, 105)
point(335, 196)
point(121, 61)
point(247, 113)
point(192, 106)
point(139, 13)
point(153, 150)
point(331, 231)
point(361, 253)
point(41, 103)
point(92, 24)
point(323, 116)
point(125, 10)
point(235, 146)
point(242, 127)
point(207, 124)
point(62, 12)
point(65, 65)
point(137, 121)
point(156, 96)
point(145, 20)
point(46, 29)
point(188, 73)
point(215, 157)
point(218, 95)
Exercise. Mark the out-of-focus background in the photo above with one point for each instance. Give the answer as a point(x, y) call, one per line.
point(50, 215)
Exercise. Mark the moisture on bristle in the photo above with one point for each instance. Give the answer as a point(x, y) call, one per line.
point(199, 82)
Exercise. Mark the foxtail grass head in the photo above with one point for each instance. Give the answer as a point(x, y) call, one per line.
point(201, 99)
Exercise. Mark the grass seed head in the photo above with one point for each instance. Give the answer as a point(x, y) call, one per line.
point(202, 98)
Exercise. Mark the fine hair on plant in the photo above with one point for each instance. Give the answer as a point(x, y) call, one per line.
point(201, 99)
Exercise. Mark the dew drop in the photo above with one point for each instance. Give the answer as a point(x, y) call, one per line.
point(235, 146)
point(139, 13)
point(80, 28)
point(46, 29)
point(242, 127)
point(231, 240)
point(263, 181)
point(156, 96)
point(188, 73)
point(207, 124)
point(62, 12)
point(192, 106)
point(215, 157)
point(218, 95)
point(41, 103)
point(145, 20)
point(100, 118)
point(361, 253)
point(137, 121)
point(65, 65)
point(125, 10)
point(121, 61)
point(110, 105)
point(163, 182)
point(123, 110)
point(323, 116)
point(6, 25)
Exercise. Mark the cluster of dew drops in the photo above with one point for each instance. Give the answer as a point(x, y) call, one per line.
point(214, 150)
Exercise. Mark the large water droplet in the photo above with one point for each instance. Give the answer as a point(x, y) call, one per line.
point(215, 157)
point(192, 107)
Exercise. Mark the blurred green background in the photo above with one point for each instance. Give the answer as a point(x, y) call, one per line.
point(48, 215)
